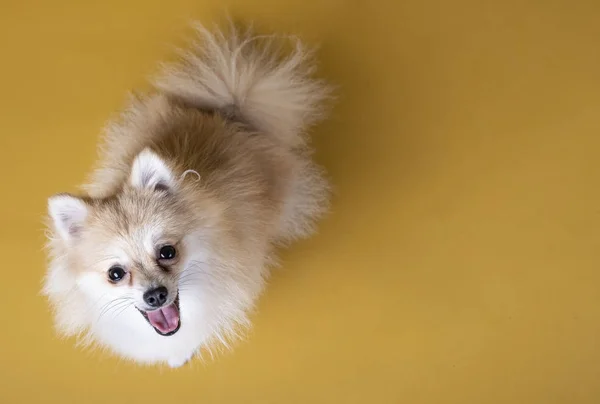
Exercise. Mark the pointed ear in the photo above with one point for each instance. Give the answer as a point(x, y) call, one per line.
point(150, 171)
point(68, 214)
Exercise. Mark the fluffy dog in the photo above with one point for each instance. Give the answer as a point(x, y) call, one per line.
point(169, 246)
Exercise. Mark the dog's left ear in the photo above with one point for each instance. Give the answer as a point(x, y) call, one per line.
point(150, 171)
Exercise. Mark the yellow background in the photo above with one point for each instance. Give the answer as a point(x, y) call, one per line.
point(460, 263)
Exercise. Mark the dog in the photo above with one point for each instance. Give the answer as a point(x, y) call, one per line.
point(167, 248)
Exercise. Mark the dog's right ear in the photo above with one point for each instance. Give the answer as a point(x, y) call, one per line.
point(68, 214)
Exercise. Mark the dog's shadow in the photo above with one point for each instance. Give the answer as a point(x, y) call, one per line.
point(369, 147)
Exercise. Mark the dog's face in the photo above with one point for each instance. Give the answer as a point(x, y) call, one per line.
point(129, 250)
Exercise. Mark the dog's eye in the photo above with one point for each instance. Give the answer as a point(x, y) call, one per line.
point(115, 274)
point(167, 252)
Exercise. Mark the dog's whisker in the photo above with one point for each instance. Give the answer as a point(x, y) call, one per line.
point(123, 309)
point(113, 310)
point(111, 305)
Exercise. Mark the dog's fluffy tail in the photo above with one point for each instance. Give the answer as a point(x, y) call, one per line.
point(251, 78)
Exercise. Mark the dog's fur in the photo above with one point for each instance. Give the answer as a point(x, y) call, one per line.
point(215, 162)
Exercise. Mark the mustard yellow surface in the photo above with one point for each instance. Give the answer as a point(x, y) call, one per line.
point(461, 262)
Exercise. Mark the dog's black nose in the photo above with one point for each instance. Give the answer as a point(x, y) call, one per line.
point(156, 297)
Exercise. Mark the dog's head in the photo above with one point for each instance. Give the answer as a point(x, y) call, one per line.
point(130, 250)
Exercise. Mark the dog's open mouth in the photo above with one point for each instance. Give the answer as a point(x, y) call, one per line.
point(166, 320)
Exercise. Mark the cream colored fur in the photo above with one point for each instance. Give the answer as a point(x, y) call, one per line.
point(216, 162)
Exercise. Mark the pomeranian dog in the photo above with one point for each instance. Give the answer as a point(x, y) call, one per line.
point(169, 245)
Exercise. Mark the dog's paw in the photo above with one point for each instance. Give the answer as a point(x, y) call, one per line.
point(177, 362)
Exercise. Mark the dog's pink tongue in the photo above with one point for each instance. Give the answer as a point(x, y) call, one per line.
point(165, 319)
